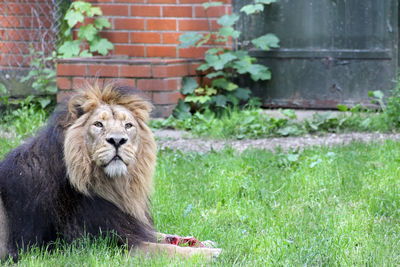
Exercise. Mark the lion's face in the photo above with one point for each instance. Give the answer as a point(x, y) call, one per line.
point(112, 139)
point(108, 148)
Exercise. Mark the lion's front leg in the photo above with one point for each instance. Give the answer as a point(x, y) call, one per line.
point(155, 249)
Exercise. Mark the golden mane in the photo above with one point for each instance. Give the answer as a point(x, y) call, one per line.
point(131, 192)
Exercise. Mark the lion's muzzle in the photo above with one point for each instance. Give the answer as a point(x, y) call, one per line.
point(117, 140)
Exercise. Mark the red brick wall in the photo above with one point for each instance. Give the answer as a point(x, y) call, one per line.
point(151, 28)
point(23, 23)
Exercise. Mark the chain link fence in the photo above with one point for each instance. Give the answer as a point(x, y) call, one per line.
point(30, 30)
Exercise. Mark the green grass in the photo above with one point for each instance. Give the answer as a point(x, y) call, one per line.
point(331, 207)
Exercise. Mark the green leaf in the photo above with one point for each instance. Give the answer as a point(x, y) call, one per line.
point(342, 107)
point(203, 67)
point(44, 102)
point(82, 6)
point(228, 31)
point(102, 46)
point(214, 61)
point(220, 83)
point(198, 99)
point(51, 88)
point(89, 32)
point(70, 49)
point(251, 9)
point(101, 23)
point(85, 53)
point(259, 72)
point(189, 39)
point(215, 74)
point(208, 5)
point(94, 11)
point(267, 41)
point(182, 110)
point(265, 2)
point(242, 94)
point(228, 20)
point(73, 17)
point(219, 100)
point(3, 89)
point(213, 51)
point(231, 86)
point(288, 113)
point(189, 85)
point(227, 57)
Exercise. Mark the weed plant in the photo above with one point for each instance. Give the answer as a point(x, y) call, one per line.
point(255, 123)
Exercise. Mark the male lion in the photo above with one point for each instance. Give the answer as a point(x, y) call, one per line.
point(88, 172)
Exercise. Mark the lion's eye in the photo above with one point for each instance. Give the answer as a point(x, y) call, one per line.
point(128, 125)
point(98, 124)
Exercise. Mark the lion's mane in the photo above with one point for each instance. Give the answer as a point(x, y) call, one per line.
point(50, 189)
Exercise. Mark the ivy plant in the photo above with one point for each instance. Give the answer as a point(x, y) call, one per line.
point(88, 39)
point(223, 65)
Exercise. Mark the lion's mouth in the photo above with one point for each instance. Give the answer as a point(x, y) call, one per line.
point(115, 159)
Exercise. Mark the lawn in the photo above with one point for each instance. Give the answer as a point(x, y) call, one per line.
point(323, 206)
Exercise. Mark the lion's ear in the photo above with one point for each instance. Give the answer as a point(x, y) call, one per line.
point(75, 106)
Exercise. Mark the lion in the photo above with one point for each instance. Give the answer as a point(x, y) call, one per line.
point(88, 172)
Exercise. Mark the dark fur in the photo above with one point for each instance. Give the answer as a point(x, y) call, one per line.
point(41, 205)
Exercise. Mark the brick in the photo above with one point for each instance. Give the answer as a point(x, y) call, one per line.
point(162, 71)
point(177, 11)
point(116, 37)
point(161, 51)
point(135, 71)
point(212, 12)
point(71, 70)
point(114, 10)
point(193, 25)
point(192, 52)
point(162, 111)
point(78, 82)
point(129, 50)
point(18, 9)
point(146, 37)
point(193, 1)
point(128, 24)
point(129, 1)
point(162, 1)
point(159, 84)
point(145, 11)
point(100, 1)
point(10, 21)
point(14, 47)
point(64, 83)
point(22, 35)
point(171, 38)
point(123, 82)
point(42, 22)
point(103, 70)
point(167, 98)
point(161, 24)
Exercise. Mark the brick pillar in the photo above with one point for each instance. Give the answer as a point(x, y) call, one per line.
point(157, 80)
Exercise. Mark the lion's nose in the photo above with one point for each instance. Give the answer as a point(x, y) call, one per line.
point(117, 141)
